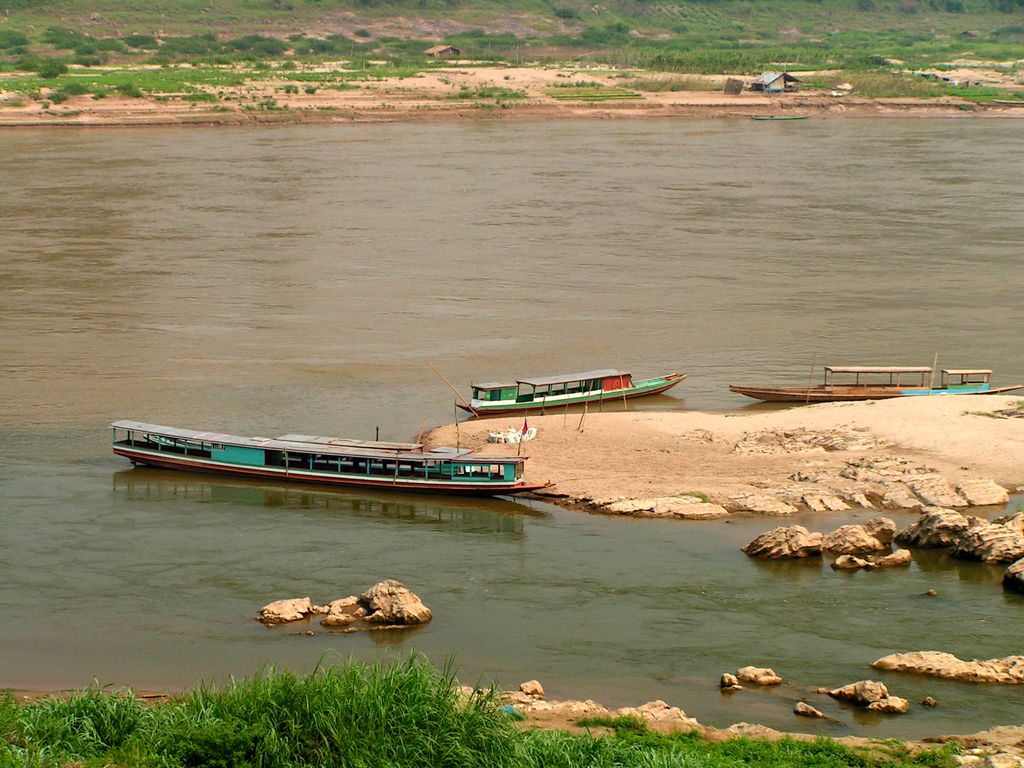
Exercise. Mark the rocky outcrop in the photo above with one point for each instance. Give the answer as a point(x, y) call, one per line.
point(343, 612)
point(982, 493)
point(758, 675)
point(729, 682)
point(804, 709)
point(937, 527)
point(761, 504)
point(387, 603)
point(897, 496)
point(660, 712)
point(774, 442)
point(283, 611)
point(785, 543)
point(890, 704)
point(390, 602)
point(683, 507)
point(991, 542)
point(871, 695)
point(852, 562)
point(934, 491)
point(1013, 578)
point(824, 502)
point(849, 563)
point(532, 688)
point(1009, 670)
point(897, 559)
point(874, 536)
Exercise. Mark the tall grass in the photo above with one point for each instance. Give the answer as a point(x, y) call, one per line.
point(406, 715)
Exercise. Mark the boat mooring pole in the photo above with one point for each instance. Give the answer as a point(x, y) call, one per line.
point(810, 378)
point(453, 389)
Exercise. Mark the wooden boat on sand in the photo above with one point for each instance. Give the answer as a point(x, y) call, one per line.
point(503, 397)
point(880, 383)
point(332, 461)
point(779, 117)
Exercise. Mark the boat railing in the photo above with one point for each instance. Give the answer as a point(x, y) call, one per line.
point(965, 377)
point(867, 375)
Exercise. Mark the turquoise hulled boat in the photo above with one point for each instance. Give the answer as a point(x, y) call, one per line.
point(331, 461)
point(502, 397)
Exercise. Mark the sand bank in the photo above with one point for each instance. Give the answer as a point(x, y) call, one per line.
point(725, 456)
point(463, 92)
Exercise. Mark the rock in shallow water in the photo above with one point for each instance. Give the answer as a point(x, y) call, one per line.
point(873, 536)
point(1013, 578)
point(991, 542)
point(758, 675)
point(785, 543)
point(804, 709)
point(1008, 670)
point(282, 611)
point(390, 602)
point(937, 527)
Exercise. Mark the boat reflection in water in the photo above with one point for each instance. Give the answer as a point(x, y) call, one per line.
point(464, 515)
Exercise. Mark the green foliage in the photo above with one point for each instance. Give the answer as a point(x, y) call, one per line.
point(10, 38)
point(140, 41)
point(50, 68)
point(591, 94)
point(673, 84)
point(408, 714)
point(489, 92)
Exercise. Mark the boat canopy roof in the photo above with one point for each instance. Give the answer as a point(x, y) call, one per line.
point(877, 369)
point(967, 371)
point(566, 377)
point(496, 385)
point(271, 444)
point(378, 444)
point(545, 380)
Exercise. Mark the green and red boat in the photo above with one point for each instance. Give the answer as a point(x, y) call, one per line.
point(538, 394)
point(330, 461)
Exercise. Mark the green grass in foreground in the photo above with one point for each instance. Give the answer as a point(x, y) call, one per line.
point(407, 715)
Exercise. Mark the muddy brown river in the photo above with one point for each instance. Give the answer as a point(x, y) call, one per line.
point(300, 278)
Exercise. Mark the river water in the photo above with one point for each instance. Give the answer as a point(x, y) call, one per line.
point(299, 279)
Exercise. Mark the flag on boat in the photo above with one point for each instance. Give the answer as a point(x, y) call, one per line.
point(525, 425)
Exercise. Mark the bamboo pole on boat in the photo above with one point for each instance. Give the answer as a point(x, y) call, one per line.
point(453, 389)
point(423, 426)
point(625, 405)
point(586, 405)
point(810, 378)
point(931, 381)
point(458, 433)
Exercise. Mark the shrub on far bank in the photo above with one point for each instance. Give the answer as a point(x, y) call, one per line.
point(51, 68)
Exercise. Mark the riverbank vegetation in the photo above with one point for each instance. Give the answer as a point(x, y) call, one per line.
point(408, 714)
point(874, 37)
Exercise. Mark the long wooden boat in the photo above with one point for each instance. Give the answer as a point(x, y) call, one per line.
point(332, 461)
point(501, 397)
point(880, 383)
point(779, 117)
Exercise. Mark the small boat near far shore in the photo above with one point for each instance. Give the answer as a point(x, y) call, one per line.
point(330, 461)
point(879, 383)
point(779, 117)
point(503, 397)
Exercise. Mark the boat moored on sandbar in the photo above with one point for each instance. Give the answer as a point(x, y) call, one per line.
point(870, 382)
point(331, 461)
point(536, 394)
